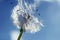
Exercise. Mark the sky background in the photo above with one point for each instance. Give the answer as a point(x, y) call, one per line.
point(49, 12)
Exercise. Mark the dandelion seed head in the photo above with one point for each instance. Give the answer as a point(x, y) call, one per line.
point(23, 17)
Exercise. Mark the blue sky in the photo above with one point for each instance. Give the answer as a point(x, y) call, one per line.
point(49, 11)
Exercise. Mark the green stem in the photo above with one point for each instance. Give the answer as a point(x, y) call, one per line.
point(20, 35)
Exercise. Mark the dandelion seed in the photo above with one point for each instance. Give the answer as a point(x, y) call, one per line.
point(24, 19)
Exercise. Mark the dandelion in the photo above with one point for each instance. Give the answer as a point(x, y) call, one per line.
point(24, 18)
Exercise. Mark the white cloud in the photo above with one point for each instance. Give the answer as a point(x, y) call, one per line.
point(52, 1)
point(58, 1)
point(14, 35)
point(47, 0)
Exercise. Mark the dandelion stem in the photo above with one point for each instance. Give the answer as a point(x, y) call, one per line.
point(20, 35)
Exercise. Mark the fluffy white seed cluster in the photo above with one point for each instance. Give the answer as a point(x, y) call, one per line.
point(25, 20)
